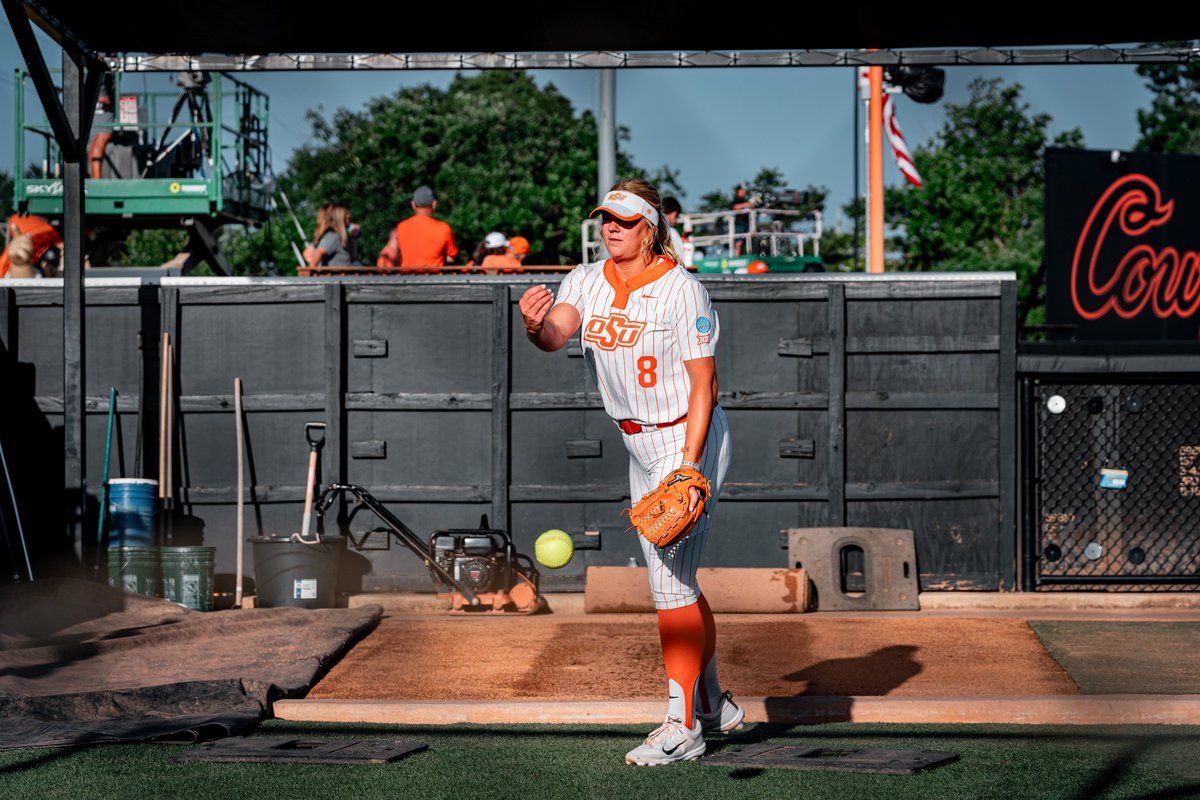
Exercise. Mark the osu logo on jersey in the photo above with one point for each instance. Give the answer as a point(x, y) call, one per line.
point(609, 333)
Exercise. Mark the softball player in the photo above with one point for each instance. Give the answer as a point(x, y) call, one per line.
point(649, 335)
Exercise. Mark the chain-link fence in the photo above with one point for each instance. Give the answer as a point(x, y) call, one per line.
point(1118, 500)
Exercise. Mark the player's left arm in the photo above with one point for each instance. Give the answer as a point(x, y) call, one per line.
point(702, 399)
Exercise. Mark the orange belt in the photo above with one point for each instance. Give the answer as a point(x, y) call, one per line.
point(631, 427)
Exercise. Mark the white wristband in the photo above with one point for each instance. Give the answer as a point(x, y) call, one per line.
point(691, 464)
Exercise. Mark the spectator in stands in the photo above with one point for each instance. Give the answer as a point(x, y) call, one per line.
point(495, 253)
point(322, 224)
point(424, 242)
point(671, 211)
point(34, 249)
point(389, 256)
point(101, 123)
point(518, 248)
point(741, 222)
point(335, 239)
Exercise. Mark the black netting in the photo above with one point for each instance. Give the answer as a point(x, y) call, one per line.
point(1119, 499)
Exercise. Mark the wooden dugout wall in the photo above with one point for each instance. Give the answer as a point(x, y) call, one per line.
point(876, 401)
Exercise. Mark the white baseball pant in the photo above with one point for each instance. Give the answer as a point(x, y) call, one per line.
point(653, 455)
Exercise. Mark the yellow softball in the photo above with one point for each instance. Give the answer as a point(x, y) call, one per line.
point(554, 549)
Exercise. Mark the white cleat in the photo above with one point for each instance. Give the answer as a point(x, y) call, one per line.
point(726, 717)
point(667, 743)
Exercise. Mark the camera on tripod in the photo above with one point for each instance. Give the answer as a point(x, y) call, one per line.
point(783, 199)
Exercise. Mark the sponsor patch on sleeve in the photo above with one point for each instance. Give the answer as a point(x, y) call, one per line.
point(703, 338)
point(703, 324)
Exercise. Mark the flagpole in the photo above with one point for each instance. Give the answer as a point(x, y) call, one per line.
point(875, 172)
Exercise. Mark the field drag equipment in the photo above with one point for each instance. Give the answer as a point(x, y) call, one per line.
point(479, 567)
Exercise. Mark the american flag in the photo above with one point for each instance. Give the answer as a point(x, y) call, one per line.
point(900, 150)
point(891, 127)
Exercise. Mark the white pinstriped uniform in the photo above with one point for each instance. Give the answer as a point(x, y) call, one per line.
point(635, 338)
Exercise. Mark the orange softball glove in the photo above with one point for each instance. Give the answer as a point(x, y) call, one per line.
point(662, 516)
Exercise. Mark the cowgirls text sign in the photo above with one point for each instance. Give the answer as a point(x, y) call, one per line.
point(1123, 244)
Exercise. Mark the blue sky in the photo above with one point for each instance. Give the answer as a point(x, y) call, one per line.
point(717, 126)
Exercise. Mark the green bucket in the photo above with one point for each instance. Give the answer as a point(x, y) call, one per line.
point(187, 576)
point(134, 569)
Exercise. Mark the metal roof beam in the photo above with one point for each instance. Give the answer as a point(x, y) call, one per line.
point(602, 59)
point(70, 141)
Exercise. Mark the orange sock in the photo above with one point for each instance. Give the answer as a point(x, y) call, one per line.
point(681, 631)
point(710, 687)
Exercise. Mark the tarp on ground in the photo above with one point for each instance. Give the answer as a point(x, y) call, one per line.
point(83, 662)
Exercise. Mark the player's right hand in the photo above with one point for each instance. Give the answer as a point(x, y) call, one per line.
point(535, 304)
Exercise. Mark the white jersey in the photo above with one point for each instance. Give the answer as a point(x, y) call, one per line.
point(637, 335)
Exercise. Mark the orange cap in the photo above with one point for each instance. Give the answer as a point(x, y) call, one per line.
point(518, 245)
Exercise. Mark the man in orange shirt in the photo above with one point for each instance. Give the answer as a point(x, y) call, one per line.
point(518, 247)
point(424, 242)
point(41, 237)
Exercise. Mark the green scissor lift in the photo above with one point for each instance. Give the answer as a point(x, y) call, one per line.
point(196, 158)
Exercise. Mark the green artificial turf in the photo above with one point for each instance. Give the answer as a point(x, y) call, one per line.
point(527, 761)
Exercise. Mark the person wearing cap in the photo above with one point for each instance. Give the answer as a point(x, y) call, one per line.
point(649, 335)
point(34, 248)
point(496, 256)
point(518, 248)
point(424, 243)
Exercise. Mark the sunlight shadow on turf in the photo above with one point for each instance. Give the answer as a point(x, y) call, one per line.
point(1110, 778)
point(758, 733)
point(41, 759)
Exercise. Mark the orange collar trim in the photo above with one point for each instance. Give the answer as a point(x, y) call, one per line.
point(622, 289)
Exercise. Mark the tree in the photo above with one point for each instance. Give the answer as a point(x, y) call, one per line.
point(982, 204)
point(7, 188)
point(149, 247)
point(1172, 124)
point(499, 153)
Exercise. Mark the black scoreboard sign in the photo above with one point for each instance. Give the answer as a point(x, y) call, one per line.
point(1123, 244)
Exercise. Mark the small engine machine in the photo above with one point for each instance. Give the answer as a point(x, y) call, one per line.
point(479, 568)
point(484, 560)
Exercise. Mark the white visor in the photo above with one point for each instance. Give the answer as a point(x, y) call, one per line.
point(625, 205)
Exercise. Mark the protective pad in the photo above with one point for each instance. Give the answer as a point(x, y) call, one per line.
point(866, 569)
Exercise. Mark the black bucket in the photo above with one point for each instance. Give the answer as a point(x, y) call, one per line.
point(292, 573)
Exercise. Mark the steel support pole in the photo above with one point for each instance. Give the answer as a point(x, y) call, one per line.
point(74, 314)
point(1030, 529)
point(606, 173)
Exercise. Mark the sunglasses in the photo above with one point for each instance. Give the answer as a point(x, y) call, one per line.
point(627, 224)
